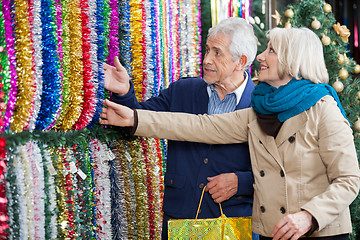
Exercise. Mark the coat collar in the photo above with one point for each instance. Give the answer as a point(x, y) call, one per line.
point(288, 129)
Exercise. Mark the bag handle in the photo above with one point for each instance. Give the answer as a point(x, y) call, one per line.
point(202, 194)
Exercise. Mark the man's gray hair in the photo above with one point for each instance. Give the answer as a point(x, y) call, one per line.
point(243, 39)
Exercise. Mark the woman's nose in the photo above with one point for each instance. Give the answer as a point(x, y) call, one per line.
point(260, 57)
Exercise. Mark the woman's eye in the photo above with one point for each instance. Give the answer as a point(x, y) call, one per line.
point(271, 50)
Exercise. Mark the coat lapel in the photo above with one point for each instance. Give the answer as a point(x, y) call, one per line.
point(265, 140)
point(290, 127)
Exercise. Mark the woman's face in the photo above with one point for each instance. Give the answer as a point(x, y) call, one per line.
point(269, 68)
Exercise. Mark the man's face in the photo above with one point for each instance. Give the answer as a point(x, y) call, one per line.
point(218, 64)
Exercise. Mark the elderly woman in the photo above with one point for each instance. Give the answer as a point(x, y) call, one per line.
point(301, 144)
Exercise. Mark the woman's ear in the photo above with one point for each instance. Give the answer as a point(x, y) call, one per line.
point(241, 63)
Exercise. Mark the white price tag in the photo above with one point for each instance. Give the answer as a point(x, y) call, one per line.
point(51, 169)
point(110, 154)
point(73, 168)
point(81, 174)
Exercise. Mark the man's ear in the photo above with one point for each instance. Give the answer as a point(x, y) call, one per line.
point(241, 62)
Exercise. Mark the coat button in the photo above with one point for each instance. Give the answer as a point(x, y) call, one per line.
point(260, 141)
point(291, 139)
point(262, 208)
point(206, 160)
point(282, 210)
point(239, 197)
point(171, 181)
point(282, 173)
point(201, 185)
point(262, 173)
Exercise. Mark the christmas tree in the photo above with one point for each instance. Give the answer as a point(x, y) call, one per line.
point(343, 70)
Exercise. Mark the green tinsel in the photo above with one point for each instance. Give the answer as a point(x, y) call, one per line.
point(60, 138)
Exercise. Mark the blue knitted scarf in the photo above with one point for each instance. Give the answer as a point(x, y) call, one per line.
point(291, 99)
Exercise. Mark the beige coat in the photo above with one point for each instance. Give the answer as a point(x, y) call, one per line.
point(311, 165)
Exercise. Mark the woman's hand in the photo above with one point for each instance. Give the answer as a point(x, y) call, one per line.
point(116, 114)
point(293, 226)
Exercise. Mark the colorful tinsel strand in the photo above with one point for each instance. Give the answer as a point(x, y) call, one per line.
point(88, 108)
point(51, 89)
point(35, 34)
point(84, 192)
point(4, 218)
point(4, 73)
point(101, 29)
point(25, 81)
point(76, 93)
point(49, 194)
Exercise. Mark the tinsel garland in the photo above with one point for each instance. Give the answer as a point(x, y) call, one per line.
point(164, 43)
point(119, 202)
point(124, 31)
point(23, 193)
point(106, 23)
point(12, 195)
point(100, 27)
point(148, 61)
point(82, 174)
point(161, 147)
point(50, 195)
point(76, 92)
point(143, 41)
point(63, 32)
point(35, 34)
point(51, 97)
point(70, 186)
point(61, 194)
point(158, 83)
point(197, 42)
point(139, 177)
point(157, 182)
point(102, 185)
point(113, 47)
point(153, 49)
point(4, 72)
point(37, 204)
point(4, 218)
point(128, 189)
point(59, 47)
point(174, 40)
point(88, 107)
point(10, 48)
point(26, 86)
point(149, 187)
point(94, 35)
point(136, 38)
point(182, 35)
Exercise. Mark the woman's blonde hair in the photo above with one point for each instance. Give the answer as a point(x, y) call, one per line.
point(300, 54)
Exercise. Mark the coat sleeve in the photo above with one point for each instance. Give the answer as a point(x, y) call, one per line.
point(338, 153)
point(157, 103)
point(211, 129)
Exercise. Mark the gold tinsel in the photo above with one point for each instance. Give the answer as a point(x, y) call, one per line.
point(26, 85)
point(76, 68)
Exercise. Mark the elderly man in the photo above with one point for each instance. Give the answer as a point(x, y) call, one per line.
point(226, 86)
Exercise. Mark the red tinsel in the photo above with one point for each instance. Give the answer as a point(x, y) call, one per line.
point(88, 86)
point(3, 201)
